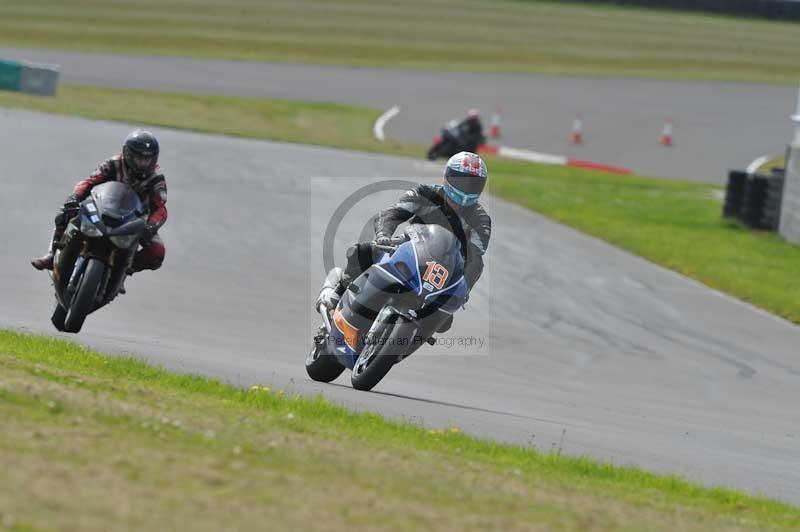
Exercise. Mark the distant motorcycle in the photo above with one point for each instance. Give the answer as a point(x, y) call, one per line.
point(391, 309)
point(95, 253)
point(453, 139)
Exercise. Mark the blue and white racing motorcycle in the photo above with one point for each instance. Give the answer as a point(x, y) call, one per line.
point(391, 309)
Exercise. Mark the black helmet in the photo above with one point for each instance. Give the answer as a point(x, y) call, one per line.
point(140, 153)
point(464, 178)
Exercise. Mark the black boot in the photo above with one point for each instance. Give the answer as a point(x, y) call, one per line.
point(333, 288)
point(45, 262)
point(129, 273)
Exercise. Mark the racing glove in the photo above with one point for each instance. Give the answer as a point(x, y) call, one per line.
point(383, 239)
point(150, 230)
point(71, 204)
point(70, 209)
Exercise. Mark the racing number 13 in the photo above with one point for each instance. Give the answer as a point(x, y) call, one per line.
point(436, 274)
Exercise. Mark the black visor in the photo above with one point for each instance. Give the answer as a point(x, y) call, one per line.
point(140, 162)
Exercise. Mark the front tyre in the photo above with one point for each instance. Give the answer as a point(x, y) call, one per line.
point(321, 366)
point(82, 302)
point(374, 362)
point(58, 317)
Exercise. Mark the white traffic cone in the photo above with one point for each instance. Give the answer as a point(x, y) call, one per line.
point(666, 134)
point(494, 128)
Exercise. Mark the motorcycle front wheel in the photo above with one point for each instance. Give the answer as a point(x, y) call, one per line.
point(82, 302)
point(374, 362)
point(58, 317)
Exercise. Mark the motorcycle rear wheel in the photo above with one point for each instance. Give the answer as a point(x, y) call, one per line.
point(321, 366)
point(82, 302)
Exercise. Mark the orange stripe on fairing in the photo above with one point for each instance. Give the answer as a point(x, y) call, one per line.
point(350, 333)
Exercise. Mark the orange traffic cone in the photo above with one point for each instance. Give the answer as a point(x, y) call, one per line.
point(494, 128)
point(576, 136)
point(666, 134)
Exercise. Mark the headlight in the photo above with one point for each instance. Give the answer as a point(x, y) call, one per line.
point(124, 241)
point(89, 229)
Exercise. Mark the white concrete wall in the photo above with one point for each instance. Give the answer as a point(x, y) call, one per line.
point(790, 208)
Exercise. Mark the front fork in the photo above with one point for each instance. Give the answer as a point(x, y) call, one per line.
point(77, 270)
point(104, 285)
point(80, 266)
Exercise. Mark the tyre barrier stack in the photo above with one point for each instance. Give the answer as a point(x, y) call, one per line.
point(773, 198)
point(734, 194)
point(754, 199)
point(29, 78)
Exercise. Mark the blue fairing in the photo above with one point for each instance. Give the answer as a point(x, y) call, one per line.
point(451, 298)
point(408, 263)
point(430, 246)
point(402, 264)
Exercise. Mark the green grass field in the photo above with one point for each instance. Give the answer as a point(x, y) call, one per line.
point(502, 35)
point(674, 223)
point(328, 124)
point(91, 442)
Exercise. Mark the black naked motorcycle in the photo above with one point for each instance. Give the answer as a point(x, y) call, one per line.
point(93, 256)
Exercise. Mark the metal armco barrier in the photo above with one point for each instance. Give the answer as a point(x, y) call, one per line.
point(755, 199)
point(28, 77)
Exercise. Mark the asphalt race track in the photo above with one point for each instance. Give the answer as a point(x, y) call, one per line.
point(586, 348)
point(718, 126)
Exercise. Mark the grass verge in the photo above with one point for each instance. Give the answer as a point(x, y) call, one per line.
point(327, 124)
point(674, 223)
point(92, 442)
point(475, 35)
